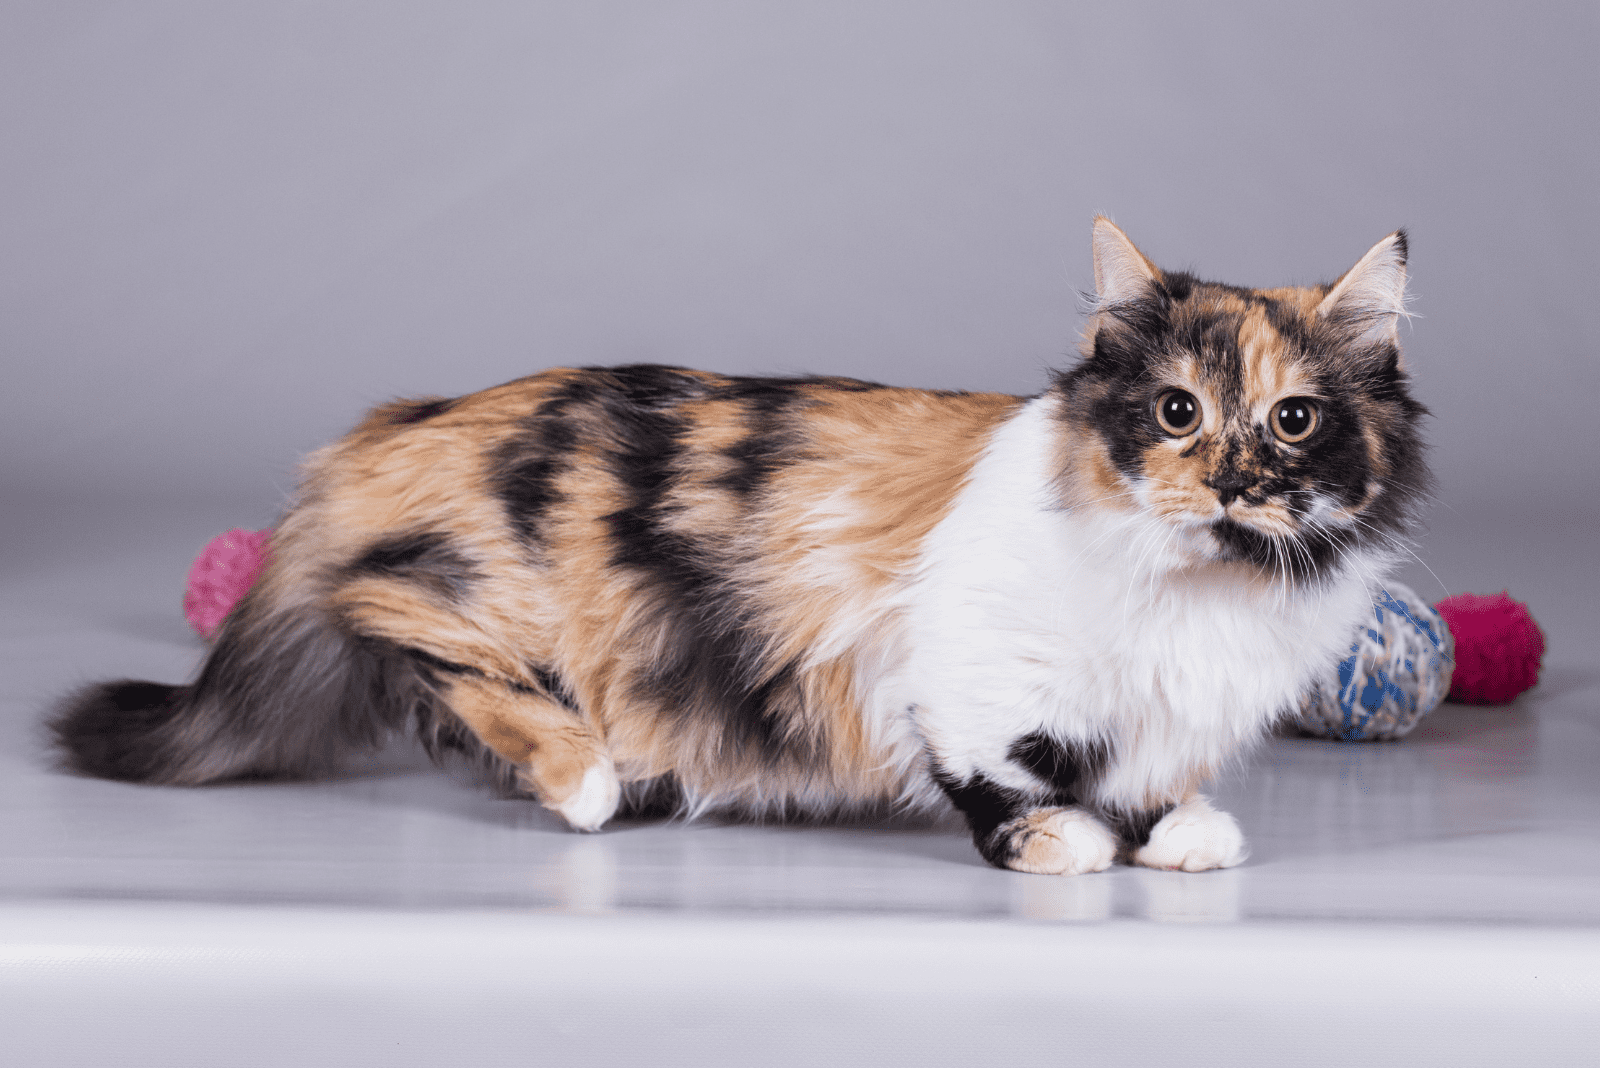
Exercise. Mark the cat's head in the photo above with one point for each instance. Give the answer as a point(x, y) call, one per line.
point(1264, 426)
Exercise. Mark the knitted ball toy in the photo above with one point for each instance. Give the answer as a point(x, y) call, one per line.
point(223, 572)
point(1398, 670)
point(1498, 647)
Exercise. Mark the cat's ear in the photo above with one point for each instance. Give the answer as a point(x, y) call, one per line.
point(1370, 298)
point(1121, 272)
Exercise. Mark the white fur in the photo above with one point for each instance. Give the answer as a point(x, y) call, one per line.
point(1194, 837)
point(1101, 623)
point(596, 798)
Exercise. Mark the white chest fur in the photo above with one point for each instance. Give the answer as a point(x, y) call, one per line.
point(1096, 624)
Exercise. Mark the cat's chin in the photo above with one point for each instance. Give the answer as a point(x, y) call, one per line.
point(1197, 550)
point(1298, 558)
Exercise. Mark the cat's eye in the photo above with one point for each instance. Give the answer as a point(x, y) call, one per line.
point(1293, 419)
point(1178, 412)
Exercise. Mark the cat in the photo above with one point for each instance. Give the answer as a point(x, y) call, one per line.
point(642, 588)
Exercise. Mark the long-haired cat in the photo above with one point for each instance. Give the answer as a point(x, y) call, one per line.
point(634, 585)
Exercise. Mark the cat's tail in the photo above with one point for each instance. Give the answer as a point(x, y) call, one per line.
point(287, 689)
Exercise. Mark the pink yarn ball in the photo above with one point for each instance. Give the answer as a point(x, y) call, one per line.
point(1498, 647)
point(223, 572)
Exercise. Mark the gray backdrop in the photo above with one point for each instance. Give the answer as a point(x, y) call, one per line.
point(227, 229)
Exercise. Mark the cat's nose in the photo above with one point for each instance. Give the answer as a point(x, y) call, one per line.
point(1229, 485)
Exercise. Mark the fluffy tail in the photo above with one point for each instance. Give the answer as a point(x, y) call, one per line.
point(284, 693)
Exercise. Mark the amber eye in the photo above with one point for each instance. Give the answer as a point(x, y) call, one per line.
point(1293, 419)
point(1177, 412)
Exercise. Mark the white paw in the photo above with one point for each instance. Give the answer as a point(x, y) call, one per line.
point(1064, 841)
point(1194, 837)
point(595, 800)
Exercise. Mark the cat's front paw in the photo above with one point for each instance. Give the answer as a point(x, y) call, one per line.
point(1053, 841)
point(1194, 837)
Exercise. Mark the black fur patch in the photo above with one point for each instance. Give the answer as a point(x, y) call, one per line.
point(654, 799)
point(528, 466)
point(771, 440)
point(555, 686)
point(426, 558)
point(713, 664)
point(768, 441)
point(1066, 768)
point(987, 807)
point(1310, 552)
point(550, 684)
point(107, 729)
point(442, 666)
point(1134, 828)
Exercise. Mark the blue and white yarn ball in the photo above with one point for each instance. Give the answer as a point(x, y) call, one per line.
point(1398, 670)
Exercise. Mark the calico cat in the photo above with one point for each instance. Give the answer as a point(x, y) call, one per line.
point(634, 586)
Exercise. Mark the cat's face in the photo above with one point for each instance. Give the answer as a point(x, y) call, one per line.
point(1270, 427)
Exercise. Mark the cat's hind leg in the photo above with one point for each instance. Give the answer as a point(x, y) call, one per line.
point(520, 711)
point(1193, 836)
point(558, 757)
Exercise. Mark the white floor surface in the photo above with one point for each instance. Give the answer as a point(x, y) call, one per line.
point(1430, 901)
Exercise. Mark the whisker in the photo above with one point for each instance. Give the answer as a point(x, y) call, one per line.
point(1402, 545)
point(1285, 572)
point(1097, 500)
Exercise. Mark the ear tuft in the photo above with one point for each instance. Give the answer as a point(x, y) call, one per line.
point(1370, 297)
point(1121, 272)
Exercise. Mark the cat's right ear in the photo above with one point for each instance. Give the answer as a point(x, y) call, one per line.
point(1121, 272)
point(1369, 299)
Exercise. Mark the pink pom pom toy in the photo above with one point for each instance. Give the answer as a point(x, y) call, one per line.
point(1499, 647)
point(223, 572)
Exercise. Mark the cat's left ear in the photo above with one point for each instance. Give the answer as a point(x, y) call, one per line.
point(1371, 296)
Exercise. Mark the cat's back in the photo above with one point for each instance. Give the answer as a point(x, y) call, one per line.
point(781, 511)
point(655, 460)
